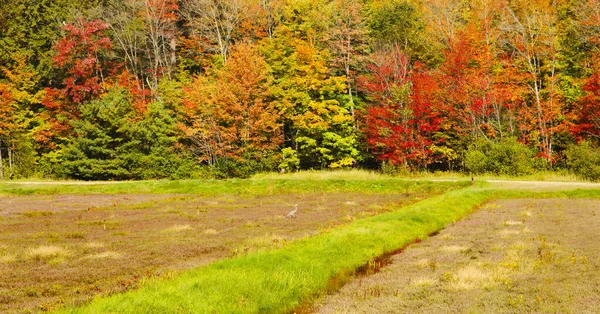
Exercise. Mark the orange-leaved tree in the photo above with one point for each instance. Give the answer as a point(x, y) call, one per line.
point(230, 112)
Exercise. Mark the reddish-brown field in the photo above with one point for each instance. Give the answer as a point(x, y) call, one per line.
point(511, 256)
point(60, 249)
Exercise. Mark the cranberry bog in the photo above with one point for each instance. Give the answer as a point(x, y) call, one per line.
point(65, 244)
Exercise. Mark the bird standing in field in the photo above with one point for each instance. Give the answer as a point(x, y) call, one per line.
point(292, 214)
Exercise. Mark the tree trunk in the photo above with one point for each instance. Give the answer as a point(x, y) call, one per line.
point(10, 160)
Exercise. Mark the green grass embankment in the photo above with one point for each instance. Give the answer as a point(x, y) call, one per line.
point(242, 187)
point(279, 281)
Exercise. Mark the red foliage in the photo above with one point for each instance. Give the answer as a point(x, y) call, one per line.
point(141, 96)
point(479, 89)
point(402, 115)
point(162, 11)
point(83, 55)
point(7, 123)
point(466, 85)
point(588, 112)
point(80, 52)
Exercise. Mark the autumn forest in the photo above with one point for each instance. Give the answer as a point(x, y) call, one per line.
point(149, 89)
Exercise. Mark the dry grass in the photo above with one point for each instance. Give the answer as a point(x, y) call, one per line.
point(509, 232)
point(423, 263)
point(106, 255)
point(471, 277)
point(424, 281)
point(513, 223)
point(261, 243)
point(454, 248)
point(177, 229)
point(94, 245)
point(526, 213)
point(7, 258)
point(45, 252)
point(352, 174)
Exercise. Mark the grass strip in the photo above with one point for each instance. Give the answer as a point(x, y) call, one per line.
point(280, 281)
point(248, 187)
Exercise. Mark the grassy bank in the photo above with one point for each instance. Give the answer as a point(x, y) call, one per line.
point(281, 280)
point(256, 186)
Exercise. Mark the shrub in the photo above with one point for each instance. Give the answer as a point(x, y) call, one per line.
point(289, 160)
point(245, 167)
point(508, 157)
point(584, 160)
point(23, 157)
point(391, 169)
point(476, 162)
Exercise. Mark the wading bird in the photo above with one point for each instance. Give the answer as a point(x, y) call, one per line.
point(292, 214)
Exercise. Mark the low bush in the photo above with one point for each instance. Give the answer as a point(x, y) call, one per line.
point(583, 160)
point(508, 157)
point(228, 167)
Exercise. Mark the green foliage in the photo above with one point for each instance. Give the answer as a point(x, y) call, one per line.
point(22, 157)
point(244, 167)
point(398, 23)
point(50, 165)
point(289, 74)
point(508, 157)
point(317, 118)
point(24, 160)
point(584, 160)
point(31, 27)
point(113, 143)
point(104, 148)
point(289, 160)
point(476, 161)
point(392, 169)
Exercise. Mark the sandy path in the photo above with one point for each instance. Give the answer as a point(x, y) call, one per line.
point(64, 182)
point(542, 185)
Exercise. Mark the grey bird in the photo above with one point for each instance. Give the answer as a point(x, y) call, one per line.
point(292, 214)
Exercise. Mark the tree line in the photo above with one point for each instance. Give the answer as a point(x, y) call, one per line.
point(143, 89)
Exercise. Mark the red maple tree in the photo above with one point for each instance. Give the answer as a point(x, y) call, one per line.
point(403, 115)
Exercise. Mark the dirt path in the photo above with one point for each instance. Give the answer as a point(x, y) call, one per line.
point(542, 185)
point(511, 256)
point(64, 182)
